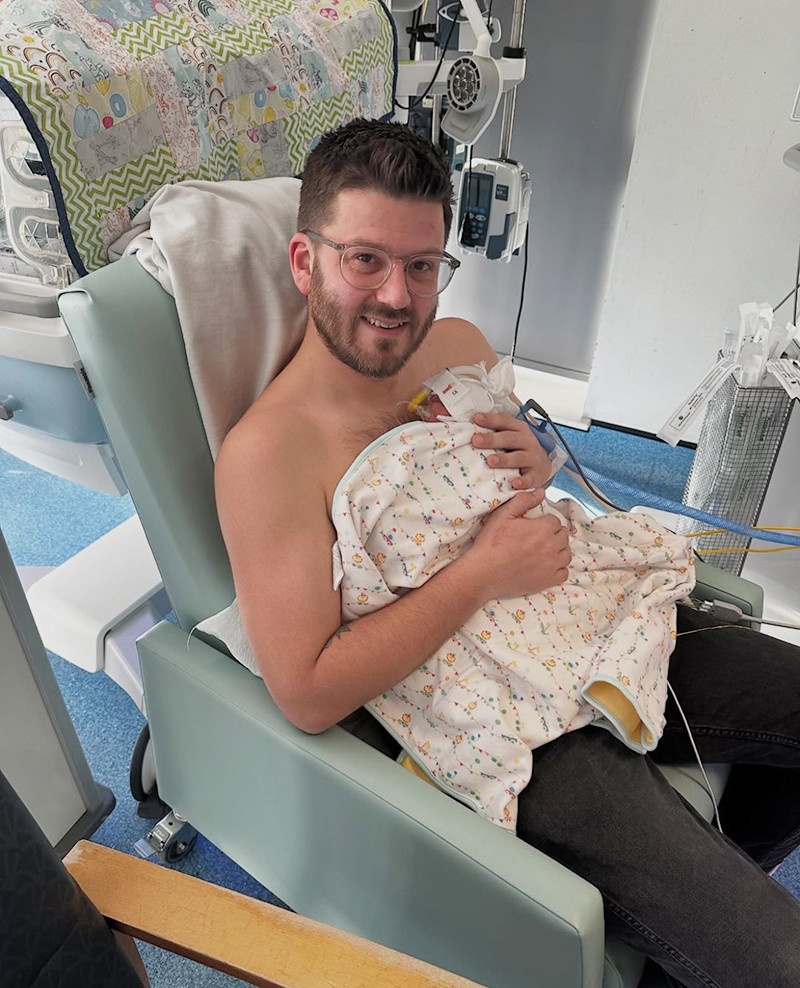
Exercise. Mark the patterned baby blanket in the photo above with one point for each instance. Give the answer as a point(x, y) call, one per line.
point(123, 96)
point(521, 671)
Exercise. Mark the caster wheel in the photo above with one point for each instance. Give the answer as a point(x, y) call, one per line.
point(142, 779)
point(171, 839)
point(178, 847)
point(143, 769)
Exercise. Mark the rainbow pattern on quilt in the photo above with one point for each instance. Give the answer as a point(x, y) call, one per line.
point(127, 95)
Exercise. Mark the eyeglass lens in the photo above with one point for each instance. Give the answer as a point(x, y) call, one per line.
point(426, 274)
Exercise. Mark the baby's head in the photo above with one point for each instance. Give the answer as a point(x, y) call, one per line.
point(459, 392)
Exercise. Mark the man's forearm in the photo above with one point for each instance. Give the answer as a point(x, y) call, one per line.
point(365, 657)
point(513, 555)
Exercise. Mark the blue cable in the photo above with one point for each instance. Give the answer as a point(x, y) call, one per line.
point(607, 485)
point(616, 488)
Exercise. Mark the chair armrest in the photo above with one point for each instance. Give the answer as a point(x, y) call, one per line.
point(251, 940)
point(716, 584)
point(434, 879)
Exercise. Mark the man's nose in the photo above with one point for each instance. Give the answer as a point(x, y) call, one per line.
point(394, 291)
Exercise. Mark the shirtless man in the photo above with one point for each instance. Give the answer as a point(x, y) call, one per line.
point(363, 357)
point(672, 885)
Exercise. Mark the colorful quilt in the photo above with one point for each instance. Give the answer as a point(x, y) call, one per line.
point(123, 96)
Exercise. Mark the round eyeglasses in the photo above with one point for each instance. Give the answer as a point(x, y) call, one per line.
point(367, 268)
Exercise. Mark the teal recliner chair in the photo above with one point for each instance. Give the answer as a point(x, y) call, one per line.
point(339, 831)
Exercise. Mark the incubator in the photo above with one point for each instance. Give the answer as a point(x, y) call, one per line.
point(90, 609)
point(45, 417)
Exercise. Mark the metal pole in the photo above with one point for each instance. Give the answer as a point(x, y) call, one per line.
point(510, 97)
point(436, 122)
point(507, 122)
point(436, 101)
point(517, 24)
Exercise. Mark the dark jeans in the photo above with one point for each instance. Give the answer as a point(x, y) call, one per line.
point(673, 887)
point(690, 899)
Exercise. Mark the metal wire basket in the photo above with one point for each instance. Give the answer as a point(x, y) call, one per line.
point(742, 433)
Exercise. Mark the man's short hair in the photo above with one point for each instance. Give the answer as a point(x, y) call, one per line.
point(370, 154)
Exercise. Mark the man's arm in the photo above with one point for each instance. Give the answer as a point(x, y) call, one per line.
point(279, 538)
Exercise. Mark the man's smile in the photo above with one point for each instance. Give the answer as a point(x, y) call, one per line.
point(385, 325)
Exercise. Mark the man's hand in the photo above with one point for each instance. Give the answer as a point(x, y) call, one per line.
point(518, 555)
point(523, 451)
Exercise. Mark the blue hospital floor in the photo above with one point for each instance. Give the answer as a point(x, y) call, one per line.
point(45, 520)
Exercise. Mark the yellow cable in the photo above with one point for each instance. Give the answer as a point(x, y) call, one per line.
point(783, 548)
point(758, 528)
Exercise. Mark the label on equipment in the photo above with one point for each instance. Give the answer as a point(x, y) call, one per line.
point(688, 410)
point(787, 373)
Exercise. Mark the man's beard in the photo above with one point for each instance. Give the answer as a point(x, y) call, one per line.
point(385, 359)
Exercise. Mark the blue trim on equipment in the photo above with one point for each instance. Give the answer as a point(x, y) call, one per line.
point(396, 59)
point(41, 145)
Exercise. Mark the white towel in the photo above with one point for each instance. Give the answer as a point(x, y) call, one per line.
point(221, 250)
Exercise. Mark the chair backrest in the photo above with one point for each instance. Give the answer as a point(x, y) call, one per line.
point(127, 333)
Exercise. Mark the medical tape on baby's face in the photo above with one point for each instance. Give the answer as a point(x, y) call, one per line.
point(461, 399)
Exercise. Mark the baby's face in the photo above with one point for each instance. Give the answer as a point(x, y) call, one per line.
point(433, 408)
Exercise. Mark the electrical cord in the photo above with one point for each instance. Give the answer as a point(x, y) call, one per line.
point(716, 608)
point(522, 298)
point(748, 549)
point(758, 528)
point(675, 507)
point(717, 552)
point(733, 616)
point(531, 405)
point(708, 787)
point(416, 100)
point(591, 479)
point(536, 407)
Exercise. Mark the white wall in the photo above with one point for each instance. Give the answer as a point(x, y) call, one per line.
point(574, 130)
point(711, 215)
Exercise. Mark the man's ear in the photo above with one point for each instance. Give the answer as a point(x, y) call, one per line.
point(301, 261)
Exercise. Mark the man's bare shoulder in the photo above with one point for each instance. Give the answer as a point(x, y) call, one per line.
point(453, 341)
point(264, 446)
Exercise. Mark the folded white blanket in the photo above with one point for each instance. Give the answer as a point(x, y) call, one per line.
point(220, 249)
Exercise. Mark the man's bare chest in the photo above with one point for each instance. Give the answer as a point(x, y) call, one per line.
point(350, 439)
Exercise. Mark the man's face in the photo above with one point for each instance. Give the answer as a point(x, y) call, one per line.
point(374, 332)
